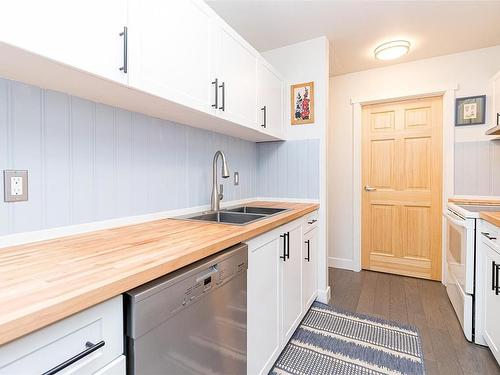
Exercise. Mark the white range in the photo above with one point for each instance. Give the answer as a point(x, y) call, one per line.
point(461, 266)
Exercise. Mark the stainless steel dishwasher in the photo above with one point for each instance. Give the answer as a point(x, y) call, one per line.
point(192, 321)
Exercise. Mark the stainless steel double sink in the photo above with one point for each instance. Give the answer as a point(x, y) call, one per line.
point(240, 215)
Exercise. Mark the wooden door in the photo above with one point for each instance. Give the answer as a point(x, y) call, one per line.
point(402, 187)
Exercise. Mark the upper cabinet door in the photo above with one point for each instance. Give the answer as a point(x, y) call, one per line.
point(236, 70)
point(270, 99)
point(170, 45)
point(82, 34)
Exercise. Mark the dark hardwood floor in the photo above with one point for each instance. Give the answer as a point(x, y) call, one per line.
point(421, 303)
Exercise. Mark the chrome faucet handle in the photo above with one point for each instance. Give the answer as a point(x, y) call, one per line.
point(221, 191)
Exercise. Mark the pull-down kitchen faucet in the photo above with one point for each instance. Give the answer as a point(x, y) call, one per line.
point(216, 193)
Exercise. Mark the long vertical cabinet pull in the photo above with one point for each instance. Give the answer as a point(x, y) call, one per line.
point(308, 258)
point(288, 245)
point(284, 236)
point(264, 110)
point(216, 85)
point(493, 274)
point(124, 34)
point(497, 288)
point(223, 87)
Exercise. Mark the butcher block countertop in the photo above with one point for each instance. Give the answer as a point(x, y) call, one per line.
point(476, 201)
point(43, 282)
point(491, 217)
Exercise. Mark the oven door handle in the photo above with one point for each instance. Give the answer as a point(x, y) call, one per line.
point(459, 222)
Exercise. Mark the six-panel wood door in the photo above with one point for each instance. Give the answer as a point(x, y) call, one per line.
point(402, 187)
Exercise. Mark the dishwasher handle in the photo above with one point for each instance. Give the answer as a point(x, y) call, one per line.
point(212, 270)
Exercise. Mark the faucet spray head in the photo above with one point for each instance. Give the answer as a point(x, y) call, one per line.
point(225, 169)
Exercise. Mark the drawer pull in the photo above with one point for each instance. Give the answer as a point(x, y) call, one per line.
point(488, 236)
point(312, 221)
point(90, 349)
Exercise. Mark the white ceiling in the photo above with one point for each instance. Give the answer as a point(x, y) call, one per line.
point(355, 28)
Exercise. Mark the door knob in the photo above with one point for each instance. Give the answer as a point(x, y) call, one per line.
point(369, 188)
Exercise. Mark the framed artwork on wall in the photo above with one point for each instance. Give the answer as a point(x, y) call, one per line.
point(470, 110)
point(302, 103)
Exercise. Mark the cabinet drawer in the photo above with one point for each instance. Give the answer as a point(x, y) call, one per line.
point(310, 222)
point(490, 234)
point(95, 335)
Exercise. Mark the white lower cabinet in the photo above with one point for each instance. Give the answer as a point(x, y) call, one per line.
point(278, 277)
point(491, 287)
point(309, 268)
point(291, 281)
point(89, 342)
point(263, 292)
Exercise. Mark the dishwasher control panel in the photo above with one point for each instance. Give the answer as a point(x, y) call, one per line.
point(212, 277)
point(161, 299)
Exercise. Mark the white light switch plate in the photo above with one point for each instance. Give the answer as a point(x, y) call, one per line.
point(15, 185)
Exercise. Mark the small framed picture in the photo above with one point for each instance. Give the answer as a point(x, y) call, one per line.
point(470, 110)
point(302, 103)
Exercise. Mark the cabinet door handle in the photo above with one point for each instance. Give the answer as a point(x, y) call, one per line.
point(497, 288)
point(124, 34)
point(216, 85)
point(223, 87)
point(284, 247)
point(264, 109)
point(493, 266)
point(288, 245)
point(498, 118)
point(487, 235)
point(90, 349)
point(308, 258)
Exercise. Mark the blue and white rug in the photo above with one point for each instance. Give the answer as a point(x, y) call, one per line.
point(334, 341)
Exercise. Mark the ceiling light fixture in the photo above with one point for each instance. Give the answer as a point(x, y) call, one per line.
point(392, 50)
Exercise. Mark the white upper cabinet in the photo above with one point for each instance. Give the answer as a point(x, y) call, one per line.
point(236, 70)
point(269, 99)
point(82, 34)
point(170, 50)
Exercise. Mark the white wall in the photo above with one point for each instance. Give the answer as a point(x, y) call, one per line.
point(469, 72)
point(304, 62)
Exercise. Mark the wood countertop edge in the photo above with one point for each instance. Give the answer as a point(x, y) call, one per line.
point(475, 201)
point(66, 305)
point(491, 217)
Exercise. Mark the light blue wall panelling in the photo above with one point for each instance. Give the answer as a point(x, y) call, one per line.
point(90, 162)
point(289, 169)
point(477, 168)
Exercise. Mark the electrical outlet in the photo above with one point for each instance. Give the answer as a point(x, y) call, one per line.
point(236, 178)
point(15, 186)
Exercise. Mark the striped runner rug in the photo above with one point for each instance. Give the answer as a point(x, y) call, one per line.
point(334, 341)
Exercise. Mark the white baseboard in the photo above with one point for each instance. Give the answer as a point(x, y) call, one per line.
point(346, 264)
point(324, 295)
point(48, 234)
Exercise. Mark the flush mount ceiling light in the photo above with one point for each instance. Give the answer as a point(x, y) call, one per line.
point(392, 50)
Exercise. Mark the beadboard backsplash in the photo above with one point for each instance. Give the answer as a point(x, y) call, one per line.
point(477, 168)
point(89, 162)
point(289, 169)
